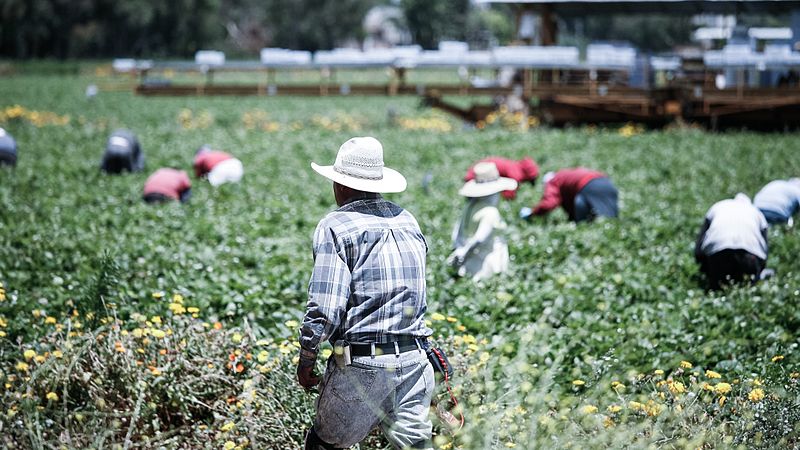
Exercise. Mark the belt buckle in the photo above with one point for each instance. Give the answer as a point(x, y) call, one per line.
point(342, 351)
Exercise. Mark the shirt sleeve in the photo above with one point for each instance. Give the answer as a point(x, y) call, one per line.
point(489, 219)
point(550, 200)
point(328, 290)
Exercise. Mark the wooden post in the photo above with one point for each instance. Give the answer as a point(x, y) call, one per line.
point(548, 32)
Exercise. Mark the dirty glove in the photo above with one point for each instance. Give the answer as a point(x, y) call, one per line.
point(306, 376)
point(525, 213)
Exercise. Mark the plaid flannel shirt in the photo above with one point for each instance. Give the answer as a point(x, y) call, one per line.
point(368, 283)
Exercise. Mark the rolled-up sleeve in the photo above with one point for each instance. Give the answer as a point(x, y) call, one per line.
point(328, 291)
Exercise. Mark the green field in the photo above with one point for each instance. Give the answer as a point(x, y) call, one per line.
point(579, 345)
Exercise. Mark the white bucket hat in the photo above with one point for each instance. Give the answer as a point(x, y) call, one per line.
point(487, 181)
point(359, 165)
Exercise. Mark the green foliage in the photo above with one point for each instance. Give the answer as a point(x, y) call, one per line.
point(431, 22)
point(102, 286)
point(648, 32)
point(67, 29)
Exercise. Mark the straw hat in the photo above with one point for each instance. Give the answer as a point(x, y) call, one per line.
point(359, 165)
point(487, 181)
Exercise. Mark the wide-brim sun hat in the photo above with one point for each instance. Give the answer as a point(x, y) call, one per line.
point(487, 181)
point(359, 165)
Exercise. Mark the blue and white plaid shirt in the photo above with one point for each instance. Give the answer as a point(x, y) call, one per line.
point(368, 283)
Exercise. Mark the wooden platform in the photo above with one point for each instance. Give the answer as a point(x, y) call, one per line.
point(560, 105)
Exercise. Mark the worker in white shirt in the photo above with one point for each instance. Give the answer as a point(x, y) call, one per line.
point(732, 243)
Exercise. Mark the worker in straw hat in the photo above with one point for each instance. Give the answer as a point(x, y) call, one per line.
point(367, 297)
point(480, 250)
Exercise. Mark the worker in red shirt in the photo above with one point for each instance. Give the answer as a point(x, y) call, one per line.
point(523, 170)
point(583, 193)
point(217, 166)
point(167, 184)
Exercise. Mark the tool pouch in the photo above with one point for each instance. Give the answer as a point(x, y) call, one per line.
point(441, 365)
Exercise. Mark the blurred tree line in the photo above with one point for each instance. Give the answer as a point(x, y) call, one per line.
point(157, 28)
point(178, 28)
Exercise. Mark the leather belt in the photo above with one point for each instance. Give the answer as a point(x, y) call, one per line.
point(396, 347)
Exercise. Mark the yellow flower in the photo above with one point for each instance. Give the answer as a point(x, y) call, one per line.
point(193, 310)
point(578, 382)
point(676, 387)
point(437, 317)
point(777, 358)
point(58, 354)
point(229, 445)
point(227, 427)
point(29, 354)
point(50, 320)
point(794, 375)
point(177, 308)
point(614, 408)
point(158, 295)
point(291, 324)
point(177, 298)
point(722, 388)
point(159, 334)
point(658, 372)
point(156, 320)
point(52, 396)
point(263, 356)
point(757, 382)
point(451, 319)
point(636, 406)
point(39, 359)
point(722, 399)
point(461, 328)
point(236, 338)
point(510, 444)
point(617, 386)
point(712, 374)
point(22, 367)
point(686, 365)
point(756, 395)
point(589, 409)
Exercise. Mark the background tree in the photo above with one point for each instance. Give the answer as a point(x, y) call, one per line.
point(432, 21)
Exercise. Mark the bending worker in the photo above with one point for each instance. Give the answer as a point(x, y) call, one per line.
point(8, 149)
point(779, 201)
point(520, 171)
point(732, 243)
point(583, 193)
point(166, 185)
point(123, 152)
point(217, 166)
point(367, 296)
point(480, 249)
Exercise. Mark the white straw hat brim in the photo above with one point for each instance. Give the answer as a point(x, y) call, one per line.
point(474, 189)
point(392, 181)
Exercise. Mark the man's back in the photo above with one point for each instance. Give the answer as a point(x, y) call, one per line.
point(383, 251)
point(735, 224)
point(779, 196)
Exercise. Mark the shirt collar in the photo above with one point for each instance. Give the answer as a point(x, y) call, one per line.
point(362, 196)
